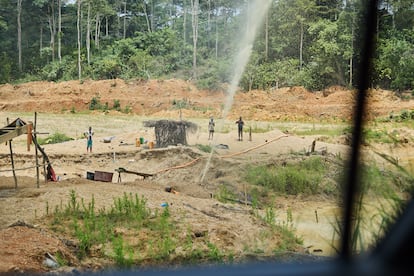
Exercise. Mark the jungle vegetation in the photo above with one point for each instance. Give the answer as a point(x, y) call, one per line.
point(310, 43)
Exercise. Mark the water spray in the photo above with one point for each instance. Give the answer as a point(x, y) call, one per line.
point(257, 10)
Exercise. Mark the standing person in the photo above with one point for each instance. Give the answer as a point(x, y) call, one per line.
point(88, 134)
point(211, 126)
point(240, 125)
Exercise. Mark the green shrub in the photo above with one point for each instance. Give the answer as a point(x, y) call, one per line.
point(95, 103)
point(119, 250)
point(107, 67)
point(214, 254)
point(117, 105)
point(405, 115)
point(180, 104)
point(127, 109)
point(54, 139)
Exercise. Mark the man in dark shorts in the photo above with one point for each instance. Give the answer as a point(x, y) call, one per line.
point(240, 125)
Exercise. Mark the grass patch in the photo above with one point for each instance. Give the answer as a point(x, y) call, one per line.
point(379, 136)
point(204, 148)
point(214, 254)
point(317, 175)
point(402, 116)
point(258, 129)
point(225, 195)
point(328, 131)
point(55, 138)
point(283, 228)
point(92, 227)
point(372, 134)
point(123, 255)
point(117, 229)
point(202, 109)
point(303, 177)
point(385, 182)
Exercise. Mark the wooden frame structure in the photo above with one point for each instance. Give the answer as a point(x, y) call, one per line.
point(12, 130)
point(19, 127)
point(16, 128)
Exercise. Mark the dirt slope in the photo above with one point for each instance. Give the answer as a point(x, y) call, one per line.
point(161, 98)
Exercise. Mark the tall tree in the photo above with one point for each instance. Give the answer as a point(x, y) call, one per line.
point(267, 37)
point(194, 16)
point(88, 32)
point(347, 23)
point(144, 8)
point(125, 18)
point(60, 30)
point(52, 27)
point(184, 23)
point(101, 10)
point(296, 16)
point(49, 5)
point(19, 33)
point(78, 26)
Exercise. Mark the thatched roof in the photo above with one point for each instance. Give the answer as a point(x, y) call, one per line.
point(167, 124)
point(171, 132)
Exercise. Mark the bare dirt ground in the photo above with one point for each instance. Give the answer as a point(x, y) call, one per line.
point(156, 98)
point(61, 108)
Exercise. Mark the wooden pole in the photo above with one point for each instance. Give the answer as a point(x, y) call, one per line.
point(12, 163)
point(245, 194)
point(44, 169)
point(7, 122)
point(36, 151)
point(313, 146)
point(12, 159)
point(29, 135)
point(253, 148)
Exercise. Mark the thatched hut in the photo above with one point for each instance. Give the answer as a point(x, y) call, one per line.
point(171, 132)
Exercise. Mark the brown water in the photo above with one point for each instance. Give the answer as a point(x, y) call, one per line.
point(409, 165)
point(314, 221)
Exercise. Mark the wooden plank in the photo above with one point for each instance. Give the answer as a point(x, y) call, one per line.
point(123, 170)
point(13, 133)
point(120, 170)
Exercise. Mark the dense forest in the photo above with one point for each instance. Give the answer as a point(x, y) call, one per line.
point(312, 43)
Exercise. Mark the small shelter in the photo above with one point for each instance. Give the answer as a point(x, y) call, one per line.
point(171, 132)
